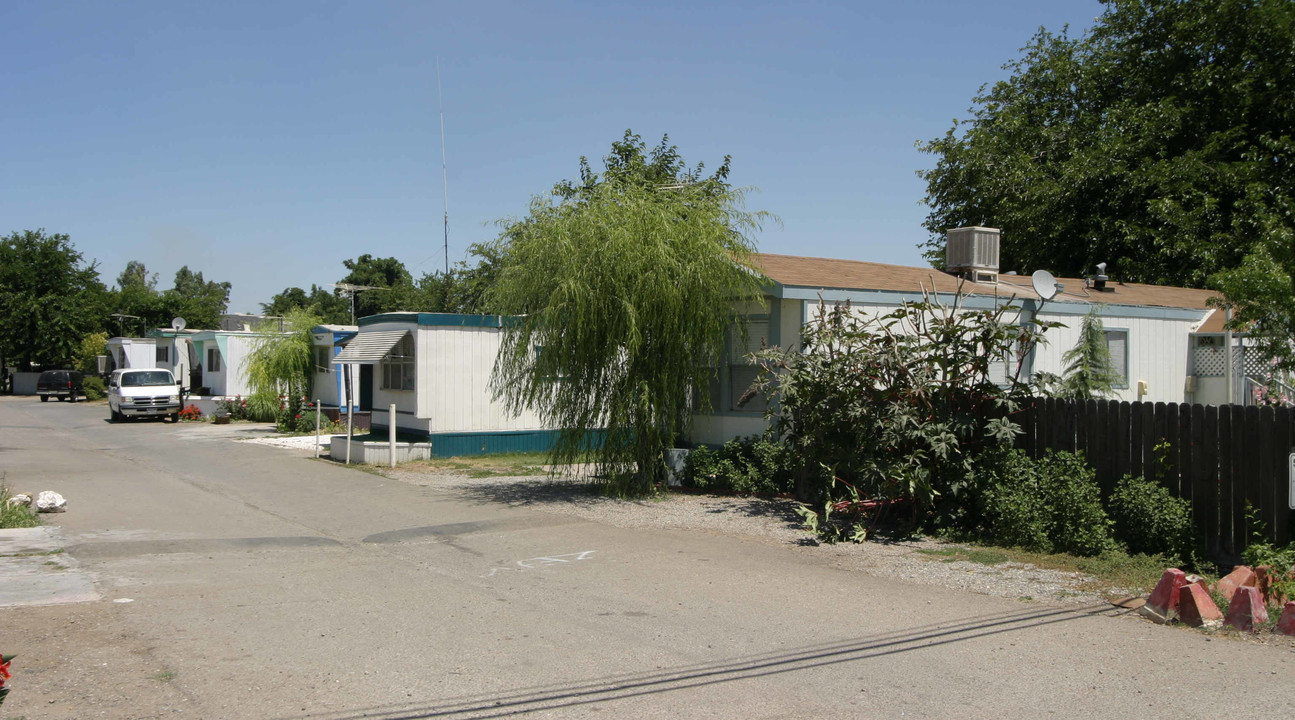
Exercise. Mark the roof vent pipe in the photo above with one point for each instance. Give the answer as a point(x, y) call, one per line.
point(1099, 280)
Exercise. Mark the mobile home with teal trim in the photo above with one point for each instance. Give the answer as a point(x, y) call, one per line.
point(326, 384)
point(435, 368)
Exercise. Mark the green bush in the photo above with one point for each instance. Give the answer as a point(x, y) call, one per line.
point(1150, 520)
point(1014, 511)
point(304, 423)
point(749, 466)
point(15, 516)
point(1262, 551)
point(262, 407)
point(1048, 505)
point(94, 387)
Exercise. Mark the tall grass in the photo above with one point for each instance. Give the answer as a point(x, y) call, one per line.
point(15, 516)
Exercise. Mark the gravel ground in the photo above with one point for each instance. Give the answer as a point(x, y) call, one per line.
point(771, 521)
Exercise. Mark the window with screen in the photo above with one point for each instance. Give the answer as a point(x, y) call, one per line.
point(1117, 343)
point(163, 354)
point(743, 369)
point(323, 358)
point(398, 366)
point(213, 360)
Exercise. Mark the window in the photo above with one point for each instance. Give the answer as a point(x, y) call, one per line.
point(147, 378)
point(1003, 371)
point(213, 359)
point(323, 358)
point(398, 366)
point(163, 354)
point(1117, 344)
point(742, 368)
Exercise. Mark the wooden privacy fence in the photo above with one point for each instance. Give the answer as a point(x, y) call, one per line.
point(1217, 457)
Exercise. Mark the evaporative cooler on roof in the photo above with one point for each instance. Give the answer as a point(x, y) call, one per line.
point(972, 253)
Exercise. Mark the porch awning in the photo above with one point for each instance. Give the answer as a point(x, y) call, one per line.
point(368, 348)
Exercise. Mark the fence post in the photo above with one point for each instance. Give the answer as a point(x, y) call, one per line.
point(316, 428)
point(391, 435)
point(1240, 533)
point(1282, 499)
point(1205, 473)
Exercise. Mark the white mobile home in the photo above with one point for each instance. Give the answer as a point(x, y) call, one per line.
point(435, 368)
point(327, 341)
point(163, 348)
point(1150, 330)
point(222, 357)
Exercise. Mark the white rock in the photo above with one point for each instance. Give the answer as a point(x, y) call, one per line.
point(20, 499)
point(50, 502)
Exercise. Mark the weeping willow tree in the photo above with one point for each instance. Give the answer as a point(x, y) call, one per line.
point(283, 363)
point(623, 286)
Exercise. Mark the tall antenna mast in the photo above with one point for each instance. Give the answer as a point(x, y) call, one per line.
point(445, 183)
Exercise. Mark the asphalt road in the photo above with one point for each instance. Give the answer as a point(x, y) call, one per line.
point(237, 580)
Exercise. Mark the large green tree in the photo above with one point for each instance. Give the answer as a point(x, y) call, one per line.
point(622, 285)
point(389, 274)
point(200, 302)
point(1159, 142)
point(461, 290)
point(1261, 292)
point(50, 298)
point(328, 306)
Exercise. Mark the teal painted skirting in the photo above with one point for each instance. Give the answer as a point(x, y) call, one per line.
point(492, 443)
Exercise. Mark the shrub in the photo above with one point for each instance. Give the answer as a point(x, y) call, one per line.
point(1015, 513)
point(235, 407)
point(304, 422)
point(261, 407)
point(1262, 551)
point(1048, 505)
point(191, 413)
point(15, 516)
point(898, 406)
point(94, 387)
point(1150, 520)
point(750, 466)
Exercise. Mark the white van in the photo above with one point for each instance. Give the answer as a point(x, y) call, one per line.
point(135, 393)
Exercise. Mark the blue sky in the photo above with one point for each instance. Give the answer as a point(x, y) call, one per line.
point(264, 143)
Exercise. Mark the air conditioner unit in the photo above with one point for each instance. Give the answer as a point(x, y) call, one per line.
point(972, 252)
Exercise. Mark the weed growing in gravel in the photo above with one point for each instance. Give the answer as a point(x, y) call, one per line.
point(979, 555)
point(1113, 571)
point(15, 516)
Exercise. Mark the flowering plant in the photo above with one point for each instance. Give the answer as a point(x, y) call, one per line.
point(191, 413)
point(4, 675)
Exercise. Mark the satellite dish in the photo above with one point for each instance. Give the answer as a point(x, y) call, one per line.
point(177, 324)
point(1044, 284)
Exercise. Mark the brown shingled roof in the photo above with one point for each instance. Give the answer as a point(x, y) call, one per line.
point(827, 274)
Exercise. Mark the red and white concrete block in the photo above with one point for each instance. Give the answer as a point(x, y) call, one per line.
point(1286, 625)
point(1196, 608)
point(1162, 606)
point(1247, 609)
